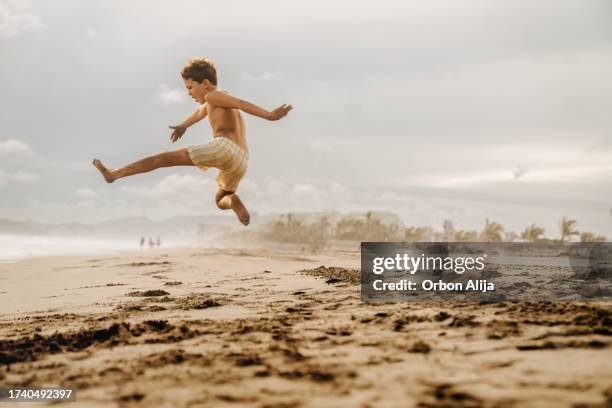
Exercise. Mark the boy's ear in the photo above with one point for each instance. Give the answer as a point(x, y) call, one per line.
point(206, 82)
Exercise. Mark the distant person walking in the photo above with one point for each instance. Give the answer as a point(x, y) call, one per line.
point(142, 242)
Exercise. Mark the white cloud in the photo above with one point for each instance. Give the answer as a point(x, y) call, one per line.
point(552, 174)
point(169, 95)
point(15, 146)
point(15, 18)
point(87, 204)
point(466, 179)
point(265, 75)
point(176, 187)
point(570, 174)
point(275, 188)
point(195, 194)
point(305, 189)
point(86, 193)
point(341, 191)
point(277, 196)
point(19, 177)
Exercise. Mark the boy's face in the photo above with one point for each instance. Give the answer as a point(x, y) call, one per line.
point(197, 90)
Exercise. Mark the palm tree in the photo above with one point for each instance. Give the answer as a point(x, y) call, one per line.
point(414, 234)
point(448, 230)
point(369, 218)
point(466, 236)
point(590, 237)
point(567, 227)
point(492, 232)
point(348, 227)
point(510, 236)
point(532, 233)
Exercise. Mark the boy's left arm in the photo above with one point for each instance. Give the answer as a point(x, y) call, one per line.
point(224, 100)
point(195, 117)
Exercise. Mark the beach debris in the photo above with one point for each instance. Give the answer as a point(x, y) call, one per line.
point(463, 321)
point(447, 395)
point(420, 347)
point(202, 301)
point(335, 274)
point(147, 263)
point(550, 345)
point(30, 348)
point(149, 293)
point(137, 396)
point(245, 361)
point(441, 316)
point(210, 302)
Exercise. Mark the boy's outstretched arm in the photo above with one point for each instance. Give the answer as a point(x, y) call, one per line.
point(195, 117)
point(228, 101)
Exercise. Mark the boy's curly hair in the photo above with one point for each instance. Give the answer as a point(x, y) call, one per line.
point(199, 69)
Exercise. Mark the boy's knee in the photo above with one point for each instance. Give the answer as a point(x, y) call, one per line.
point(184, 157)
point(221, 194)
point(218, 199)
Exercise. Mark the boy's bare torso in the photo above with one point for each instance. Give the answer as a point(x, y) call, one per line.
point(226, 122)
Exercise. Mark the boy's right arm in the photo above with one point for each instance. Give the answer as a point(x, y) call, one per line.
point(225, 100)
point(195, 117)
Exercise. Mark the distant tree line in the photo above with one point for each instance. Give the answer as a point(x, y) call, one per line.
point(289, 228)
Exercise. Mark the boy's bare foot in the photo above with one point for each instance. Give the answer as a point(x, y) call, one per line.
point(108, 176)
point(241, 212)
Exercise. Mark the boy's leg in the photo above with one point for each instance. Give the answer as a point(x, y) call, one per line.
point(168, 159)
point(229, 200)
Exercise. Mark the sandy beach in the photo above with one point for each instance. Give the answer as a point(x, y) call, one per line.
point(263, 328)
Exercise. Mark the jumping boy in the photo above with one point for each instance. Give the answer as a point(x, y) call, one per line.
point(228, 150)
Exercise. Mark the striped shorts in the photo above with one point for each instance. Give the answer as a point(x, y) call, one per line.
point(224, 155)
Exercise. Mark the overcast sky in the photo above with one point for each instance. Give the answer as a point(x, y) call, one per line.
point(446, 109)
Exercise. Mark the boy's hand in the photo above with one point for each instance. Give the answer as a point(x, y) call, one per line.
point(177, 132)
point(280, 112)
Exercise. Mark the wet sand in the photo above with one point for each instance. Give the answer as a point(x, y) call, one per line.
point(216, 328)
